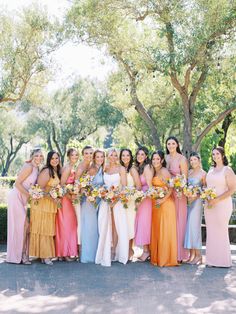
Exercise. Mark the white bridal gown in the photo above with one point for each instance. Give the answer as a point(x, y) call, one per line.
point(103, 255)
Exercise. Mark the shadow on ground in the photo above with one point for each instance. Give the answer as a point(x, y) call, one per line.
point(133, 288)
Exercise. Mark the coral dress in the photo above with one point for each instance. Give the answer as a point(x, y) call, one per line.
point(163, 235)
point(43, 224)
point(16, 215)
point(217, 219)
point(66, 226)
point(143, 218)
point(181, 214)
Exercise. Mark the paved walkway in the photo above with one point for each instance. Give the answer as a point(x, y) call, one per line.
point(133, 288)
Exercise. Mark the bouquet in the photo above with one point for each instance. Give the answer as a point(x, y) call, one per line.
point(191, 191)
point(73, 189)
point(35, 193)
point(207, 194)
point(112, 195)
point(92, 194)
point(56, 193)
point(126, 195)
point(157, 193)
point(85, 181)
point(177, 183)
point(138, 197)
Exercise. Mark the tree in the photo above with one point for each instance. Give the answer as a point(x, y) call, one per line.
point(179, 40)
point(26, 42)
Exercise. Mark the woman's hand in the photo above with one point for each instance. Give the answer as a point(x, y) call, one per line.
point(213, 202)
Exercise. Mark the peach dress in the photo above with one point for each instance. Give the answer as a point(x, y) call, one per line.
point(181, 213)
point(66, 226)
point(217, 219)
point(163, 235)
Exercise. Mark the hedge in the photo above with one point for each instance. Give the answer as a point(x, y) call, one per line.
point(7, 181)
point(3, 223)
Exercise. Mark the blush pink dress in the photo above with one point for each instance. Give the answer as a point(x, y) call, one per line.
point(181, 213)
point(217, 219)
point(143, 218)
point(66, 226)
point(16, 215)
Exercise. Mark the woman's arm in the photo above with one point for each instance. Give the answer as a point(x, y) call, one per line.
point(184, 166)
point(23, 174)
point(231, 184)
point(148, 174)
point(123, 176)
point(136, 178)
point(165, 176)
point(80, 171)
point(65, 174)
point(43, 178)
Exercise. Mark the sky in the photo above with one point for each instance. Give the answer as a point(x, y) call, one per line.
point(70, 60)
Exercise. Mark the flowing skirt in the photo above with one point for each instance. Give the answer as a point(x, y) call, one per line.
point(163, 236)
point(77, 212)
point(193, 236)
point(89, 231)
point(217, 241)
point(131, 214)
point(181, 220)
point(103, 255)
point(121, 224)
point(143, 222)
point(16, 217)
point(66, 230)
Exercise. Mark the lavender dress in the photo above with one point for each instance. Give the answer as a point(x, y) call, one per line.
point(16, 215)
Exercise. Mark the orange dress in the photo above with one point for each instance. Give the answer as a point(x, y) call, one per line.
point(163, 235)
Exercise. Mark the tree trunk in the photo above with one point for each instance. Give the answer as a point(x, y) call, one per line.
point(188, 122)
point(224, 129)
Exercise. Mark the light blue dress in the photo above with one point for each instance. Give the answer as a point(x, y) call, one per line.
point(89, 224)
point(193, 235)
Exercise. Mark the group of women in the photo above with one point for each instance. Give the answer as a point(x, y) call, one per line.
point(168, 229)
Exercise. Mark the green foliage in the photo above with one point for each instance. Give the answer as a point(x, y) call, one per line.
point(3, 223)
point(7, 181)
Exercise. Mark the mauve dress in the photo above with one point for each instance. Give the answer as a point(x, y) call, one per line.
point(217, 218)
point(66, 226)
point(16, 215)
point(143, 218)
point(181, 213)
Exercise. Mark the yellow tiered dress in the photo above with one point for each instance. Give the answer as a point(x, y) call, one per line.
point(43, 224)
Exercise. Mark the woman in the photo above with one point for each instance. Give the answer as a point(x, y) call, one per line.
point(144, 213)
point(89, 212)
point(218, 211)
point(87, 154)
point(163, 236)
point(113, 227)
point(43, 213)
point(177, 164)
point(193, 236)
point(133, 181)
point(66, 221)
point(17, 220)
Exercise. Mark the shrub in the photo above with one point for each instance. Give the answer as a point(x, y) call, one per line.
point(7, 181)
point(3, 223)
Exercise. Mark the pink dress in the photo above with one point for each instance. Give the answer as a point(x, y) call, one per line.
point(181, 213)
point(16, 215)
point(143, 218)
point(66, 226)
point(217, 219)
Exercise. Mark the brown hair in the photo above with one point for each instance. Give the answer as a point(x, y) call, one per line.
point(222, 152)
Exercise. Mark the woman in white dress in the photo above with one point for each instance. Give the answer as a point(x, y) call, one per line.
point(133, 180)
point(87, 153)
point(113, 243)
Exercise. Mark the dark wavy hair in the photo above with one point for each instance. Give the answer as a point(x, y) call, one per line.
point(222, 152)
point(131, 158)
point(70, 151)
point(146, 162)
point(49, 166)
point(176, 141)
point(161, 154)
point(195, 154)
point(86, 147)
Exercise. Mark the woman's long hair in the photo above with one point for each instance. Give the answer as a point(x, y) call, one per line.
point(176, 141)
point(222, 152)
point(161, 154)
point(49, 166)
point(140, 168)
point(131, 159)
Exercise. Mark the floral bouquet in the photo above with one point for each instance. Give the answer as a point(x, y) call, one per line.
point(126, 195)
point(73, 189)
point(157, 193)
point(138, 197)
point(207, 194)
point(85, 181)
point(56, 193)
point(112, 195)
point(92, 194)
point(177, 183)
point(35, 193)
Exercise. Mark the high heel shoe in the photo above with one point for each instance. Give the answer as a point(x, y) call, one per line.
point(196, 261)
point(25, 259)
point(46, 261)
point(144, 257)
